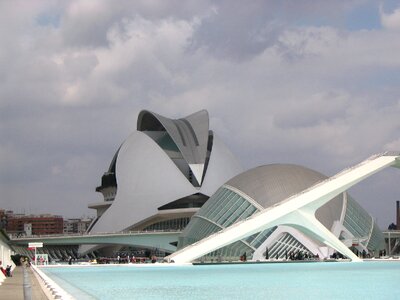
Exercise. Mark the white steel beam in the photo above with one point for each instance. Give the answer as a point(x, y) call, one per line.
point(297, 211)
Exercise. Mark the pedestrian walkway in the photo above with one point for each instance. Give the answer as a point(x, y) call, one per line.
point(13, 287)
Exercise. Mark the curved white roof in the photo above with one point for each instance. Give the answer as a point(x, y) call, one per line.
point(270, 184)
point(190, 135)
point(148, 178)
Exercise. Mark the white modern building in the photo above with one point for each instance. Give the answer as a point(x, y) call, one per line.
point(161, 175)
point(265, 186)
point(277, 210)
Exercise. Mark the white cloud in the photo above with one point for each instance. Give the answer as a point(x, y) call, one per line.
point(276, 91)
point(390, 20)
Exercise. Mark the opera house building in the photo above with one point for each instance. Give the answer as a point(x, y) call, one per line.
point(176, 174)
point(161, 175)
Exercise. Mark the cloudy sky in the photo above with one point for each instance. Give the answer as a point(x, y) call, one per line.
point(314, 83)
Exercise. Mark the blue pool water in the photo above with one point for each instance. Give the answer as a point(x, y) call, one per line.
point(368, 280)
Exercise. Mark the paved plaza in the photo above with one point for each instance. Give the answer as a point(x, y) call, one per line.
point(13, 287)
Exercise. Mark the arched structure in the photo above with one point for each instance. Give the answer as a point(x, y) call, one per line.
point(271, 200)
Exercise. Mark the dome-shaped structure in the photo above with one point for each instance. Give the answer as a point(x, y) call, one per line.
point(162, 174)
point(271, 184)
point(265, 186)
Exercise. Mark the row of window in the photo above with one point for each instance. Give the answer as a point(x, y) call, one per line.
point(222, 210)
point(231, 252)
point(376, 241)
point(357, 220)
point(286, 245)
point(227, 207)
point(197, 229)
point(173, 224)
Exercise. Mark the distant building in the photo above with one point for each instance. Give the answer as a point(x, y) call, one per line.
point(40, 224)
point(77, 225)
point(28, 229)
point(4, 214)
point(3, 219)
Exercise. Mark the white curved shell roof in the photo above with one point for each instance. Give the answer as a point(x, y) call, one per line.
point(147, 178)
point(270, 184)
point(190, 135)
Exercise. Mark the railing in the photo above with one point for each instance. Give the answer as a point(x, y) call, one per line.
point(94, 234)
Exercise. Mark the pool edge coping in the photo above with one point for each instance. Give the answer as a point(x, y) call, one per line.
point(51, 289)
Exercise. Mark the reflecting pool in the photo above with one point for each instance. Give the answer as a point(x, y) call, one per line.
point(333, 280)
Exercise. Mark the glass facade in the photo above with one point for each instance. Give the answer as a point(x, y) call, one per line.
point(172, 224)
point(222, 210)
point(285, 246)
point(227, 207)
point(357, 220)
point(376, 240)
point(362, 225)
